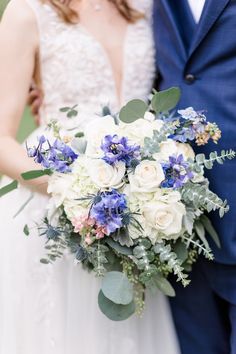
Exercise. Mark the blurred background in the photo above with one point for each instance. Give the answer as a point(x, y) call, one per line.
point(27, 124)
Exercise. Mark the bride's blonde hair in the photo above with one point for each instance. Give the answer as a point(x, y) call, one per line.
point(70, 16)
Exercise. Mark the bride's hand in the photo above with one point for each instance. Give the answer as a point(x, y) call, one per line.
point(34, 100)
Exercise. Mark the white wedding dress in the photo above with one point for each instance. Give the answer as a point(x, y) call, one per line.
point(52, 309)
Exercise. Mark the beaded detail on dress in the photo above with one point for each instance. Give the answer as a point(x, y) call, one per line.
point(76, 69)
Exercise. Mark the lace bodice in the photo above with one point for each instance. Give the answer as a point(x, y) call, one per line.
point(75, 68)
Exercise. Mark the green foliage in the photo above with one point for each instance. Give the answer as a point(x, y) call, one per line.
point(195, 243)
point(35, 174)
point(97, 256)
point(127, 251)
point(210, 229)
point(115, 312)
point(143, 255)
point(8, 188)
point(117, 288)
point(201, 197)
point(26, 230)
point(71, 112)
point(167, 255)
point(3, 4)
point(55, 250)
point(123, 238)
point(152, 145)
point(132, 111)
point(166, 100)
point(164, 285)
point(180, 250)
point(214, 157)
point(200, 231)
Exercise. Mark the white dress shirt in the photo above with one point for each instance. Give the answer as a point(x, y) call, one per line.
point(196, 7)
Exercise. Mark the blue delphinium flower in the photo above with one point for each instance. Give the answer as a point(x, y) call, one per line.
point(57, 157)
point(177, 172)
point(117, 148)
point(108, 210)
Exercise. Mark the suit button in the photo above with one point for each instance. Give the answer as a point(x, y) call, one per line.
point(190, 78)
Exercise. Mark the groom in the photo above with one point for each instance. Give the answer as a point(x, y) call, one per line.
point(196, 50)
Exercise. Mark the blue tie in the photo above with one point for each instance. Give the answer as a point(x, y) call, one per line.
point(184, 20)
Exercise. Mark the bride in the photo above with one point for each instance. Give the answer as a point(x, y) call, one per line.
point(94, 53)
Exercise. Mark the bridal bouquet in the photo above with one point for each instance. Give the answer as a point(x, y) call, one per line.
point(128, 198)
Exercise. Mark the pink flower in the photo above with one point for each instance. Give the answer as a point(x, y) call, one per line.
point(100, 232)
point(88, 239)
point(80, 223)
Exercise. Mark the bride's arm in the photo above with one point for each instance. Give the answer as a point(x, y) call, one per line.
point(18, 48)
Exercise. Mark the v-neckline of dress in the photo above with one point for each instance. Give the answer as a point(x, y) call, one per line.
point(119, 95)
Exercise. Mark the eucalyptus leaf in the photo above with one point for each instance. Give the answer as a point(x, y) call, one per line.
point(134, 110)
point(114, 311)
point(122, 236)
point(64, 109)
point(35, 174)
point(8, 188)
point(113, 262)
point(210, 229)
point(166, 100)
point(72, 113)
point(26, 230)
point(127, 251)
point(180, 249)
point(164, 285)
point(200, 230)
point(117, 288)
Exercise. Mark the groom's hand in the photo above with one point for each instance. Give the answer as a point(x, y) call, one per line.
point(65, 2)
point(35, 98)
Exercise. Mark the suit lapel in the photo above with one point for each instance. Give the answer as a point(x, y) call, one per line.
point(211, 12)
point(169, 13)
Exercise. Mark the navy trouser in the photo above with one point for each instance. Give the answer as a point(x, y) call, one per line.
point(205, 311)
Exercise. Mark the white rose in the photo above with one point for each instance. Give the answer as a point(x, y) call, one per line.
point(149, 116)
point(105, 175)
point(157, 124)
point(138, 130)
point(168, 196)
point(186, 150)
point(95, 131)
point(170, 147)
point(164, 218)
point(147, 177)
point(60, 186)
point(167, 148)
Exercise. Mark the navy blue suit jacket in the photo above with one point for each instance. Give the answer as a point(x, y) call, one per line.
point(206, 74)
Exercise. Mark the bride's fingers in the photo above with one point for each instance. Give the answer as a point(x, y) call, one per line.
point(34, 94)
point(65, 2)
point(35, 106)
